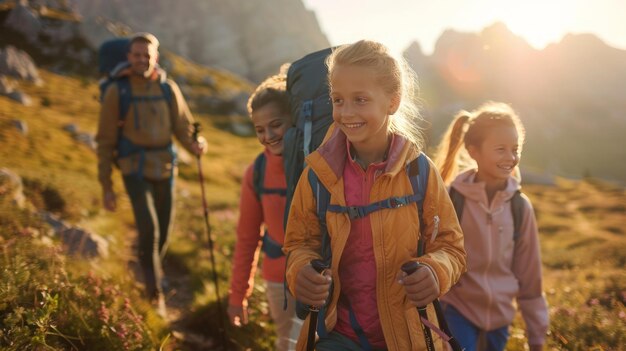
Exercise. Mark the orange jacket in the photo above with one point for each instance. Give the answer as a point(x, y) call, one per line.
point(395, 235)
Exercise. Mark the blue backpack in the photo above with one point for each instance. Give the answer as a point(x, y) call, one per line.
point(270, 247)
point(112, 61)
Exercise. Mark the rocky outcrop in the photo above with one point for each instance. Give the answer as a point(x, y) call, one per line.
point(48, 30)
point(250, 38)
point(18, 64)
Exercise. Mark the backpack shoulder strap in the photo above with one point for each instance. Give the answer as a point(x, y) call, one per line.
point(322, 200)
point(125, 97)
point(418, 171)
point(168, 94)
point(517, 209)
point(458, 201)
point(258, 174)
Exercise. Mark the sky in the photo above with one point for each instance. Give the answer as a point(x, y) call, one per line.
point(397, 23)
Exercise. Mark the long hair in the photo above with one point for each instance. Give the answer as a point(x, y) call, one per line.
point(394, 76)
point(471, 128)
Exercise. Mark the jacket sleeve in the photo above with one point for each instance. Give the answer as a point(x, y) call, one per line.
point(527, 270)
point(182, 120)
point(444, 249)
point(302, 235)
point(246, 255)
point(106, 137)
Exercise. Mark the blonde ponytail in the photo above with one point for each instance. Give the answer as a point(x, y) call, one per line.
point(447, 158)
point(471, 128)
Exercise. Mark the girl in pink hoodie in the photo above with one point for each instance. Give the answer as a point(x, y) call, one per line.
point(479, 308)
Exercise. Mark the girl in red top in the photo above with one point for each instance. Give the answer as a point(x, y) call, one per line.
point(264, 205)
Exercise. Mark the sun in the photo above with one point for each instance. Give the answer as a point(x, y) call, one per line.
point(539, 22)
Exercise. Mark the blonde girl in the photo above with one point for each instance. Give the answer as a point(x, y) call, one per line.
point(374, 136)
point(485, 145)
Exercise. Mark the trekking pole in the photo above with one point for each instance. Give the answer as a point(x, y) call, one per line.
point(319, 267)
point(409, 268)
point(205, 207)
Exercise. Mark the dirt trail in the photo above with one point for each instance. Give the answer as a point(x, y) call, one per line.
point(178, 298)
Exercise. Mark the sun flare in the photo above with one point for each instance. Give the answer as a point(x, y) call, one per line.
point(539, 22)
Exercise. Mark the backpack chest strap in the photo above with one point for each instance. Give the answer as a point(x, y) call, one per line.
point(355, 212)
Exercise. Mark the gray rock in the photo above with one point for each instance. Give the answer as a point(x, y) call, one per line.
point(6, 86)
point(21, 97)
point(87, 139)
point(78, 241)
point(17, 63)
point(71, 128)
point(24, 20)
point(11, 187)
point(21, 125)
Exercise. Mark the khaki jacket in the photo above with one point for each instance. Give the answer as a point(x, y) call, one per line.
point(395, 235)
point(148, 123)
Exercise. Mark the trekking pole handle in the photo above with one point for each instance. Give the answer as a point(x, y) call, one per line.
point(196, 130)
point(319, 267)
point(410, 267)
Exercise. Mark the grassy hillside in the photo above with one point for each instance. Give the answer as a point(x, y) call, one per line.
point(581, 223)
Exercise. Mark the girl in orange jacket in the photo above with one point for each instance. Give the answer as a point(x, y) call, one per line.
point(362, 161)
point(502, 265)
point(269, 110)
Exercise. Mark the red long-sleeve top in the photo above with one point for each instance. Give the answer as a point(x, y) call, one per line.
point(254, 217)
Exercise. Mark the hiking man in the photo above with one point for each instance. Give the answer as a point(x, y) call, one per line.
point(141, 111)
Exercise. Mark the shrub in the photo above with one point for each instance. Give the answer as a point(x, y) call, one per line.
point(47, 303)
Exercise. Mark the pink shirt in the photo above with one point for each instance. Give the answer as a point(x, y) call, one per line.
point(357, 270)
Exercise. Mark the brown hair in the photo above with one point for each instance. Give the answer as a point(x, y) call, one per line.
point(143, 37)
point(394, 76)
point(272, 90)
point(471, 128)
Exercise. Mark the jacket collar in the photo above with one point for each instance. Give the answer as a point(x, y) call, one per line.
point(330, 158)
point(465, 184)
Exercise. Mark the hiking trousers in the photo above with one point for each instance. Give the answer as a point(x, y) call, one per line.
point(152, 207)
point(471, 337)
point(287, 324)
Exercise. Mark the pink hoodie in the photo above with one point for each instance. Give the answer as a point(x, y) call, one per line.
point(499, 269)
